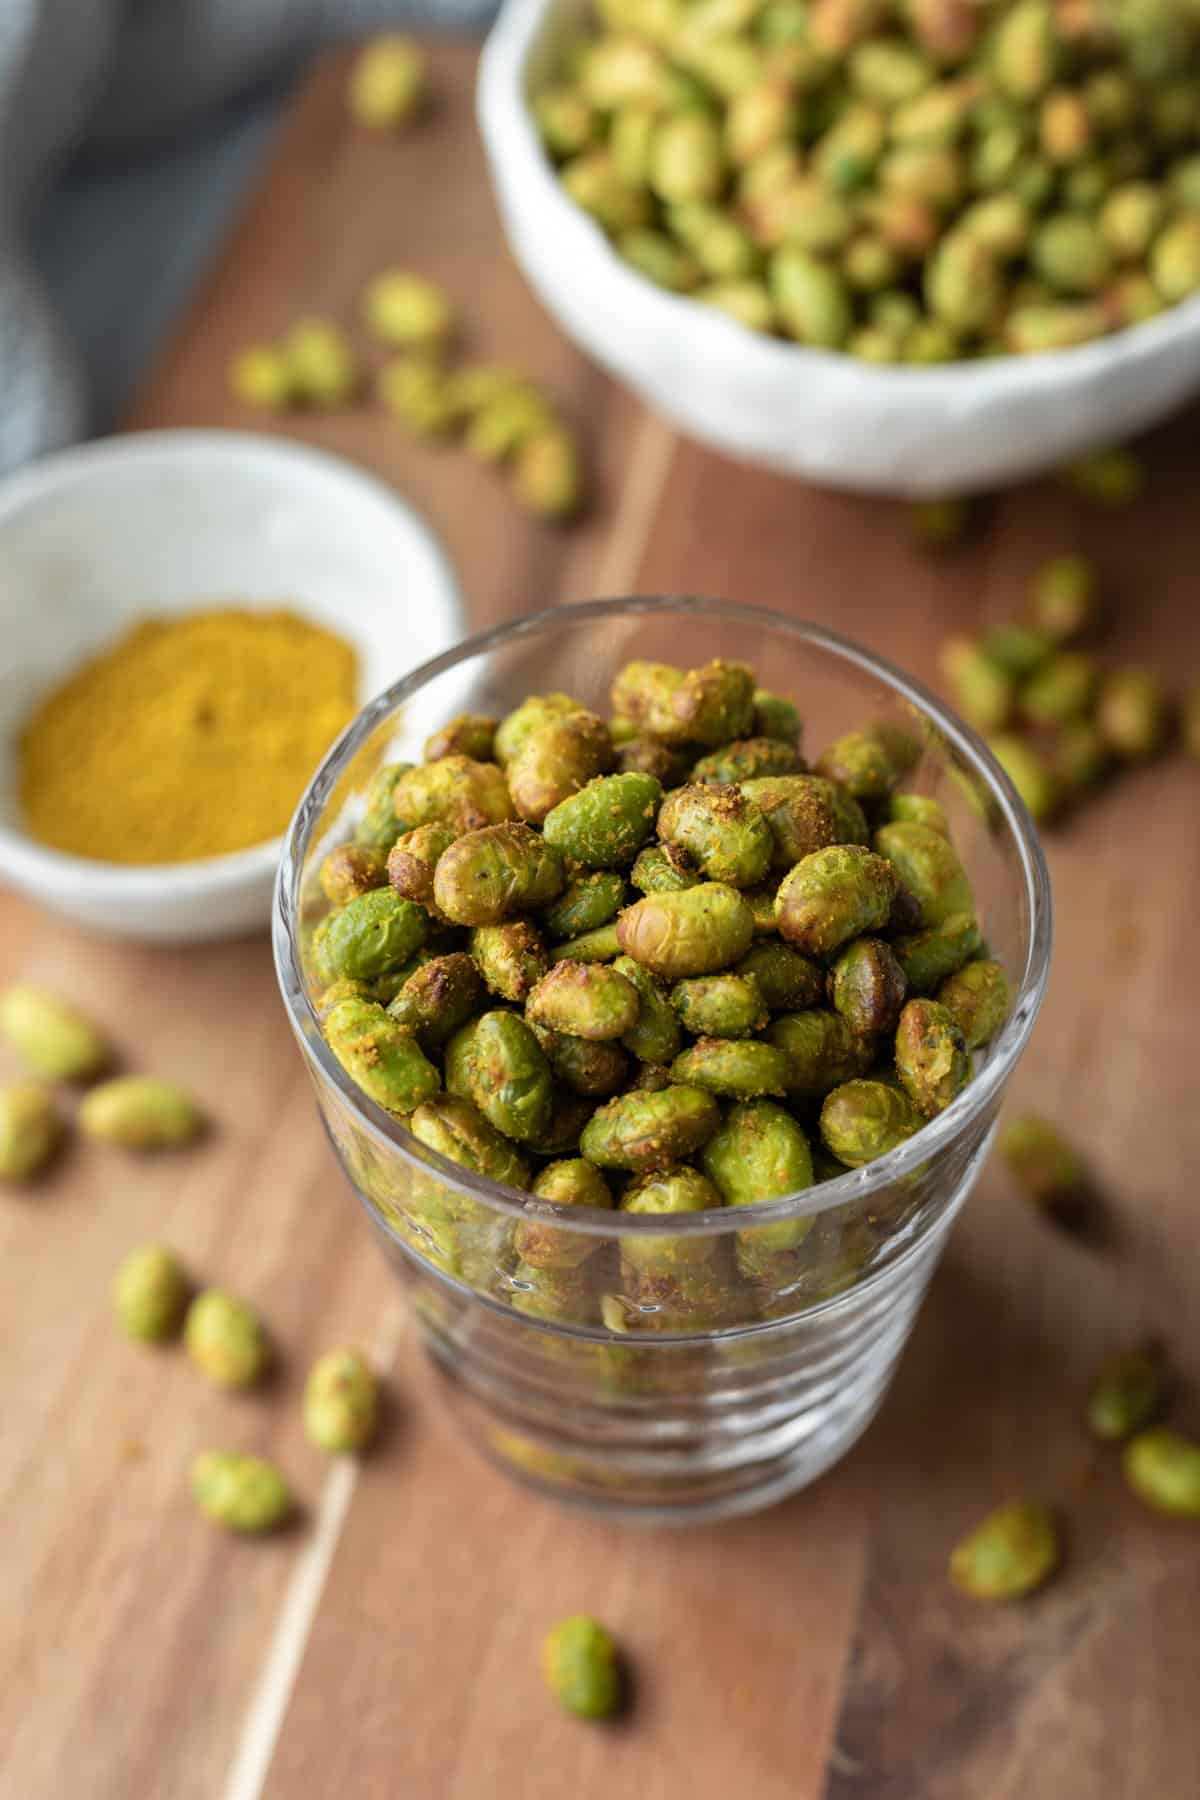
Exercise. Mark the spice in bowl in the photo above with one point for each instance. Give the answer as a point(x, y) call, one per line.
point(189, 737)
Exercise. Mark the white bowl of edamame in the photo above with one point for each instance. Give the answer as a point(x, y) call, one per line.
point(826, 415)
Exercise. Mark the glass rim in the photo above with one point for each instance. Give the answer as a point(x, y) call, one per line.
point(389, 1132)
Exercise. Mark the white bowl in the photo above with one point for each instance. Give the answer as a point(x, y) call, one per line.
point(164, 522)
point(809, 412)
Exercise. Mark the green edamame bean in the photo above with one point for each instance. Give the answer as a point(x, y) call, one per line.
point(584, 1000)
point(350, 870)
point(496, 1062)
point(931, 1056)
point(775, 717)
point(457, 1130)
point(606, 823)
point(511, 958)
point(919, 809)
point(663, 869)
point(598, 946)
point(859, 763)
point(835, 894)
point(536, 711)
point(786, 980)
point(928, 957)
point(380, 1055)
point(586, 903)
point(1014, 1551)
point(656, 1033)
point(722, 831)
point(595, 1067)
point(748, 760)
point(1163, 1469)
point(242, 1493)
point(820, 1051)
point(580, 1665)
point(1127, 1393)
point(438, 997)
point(669, 1190)
point(487, 875)
point(455, 791)
point(720, 1006)
point(742, 1069)
point(373, 935)
point(541, 1242)
point(379, 826)
point(798, 810)
point(867, 986)
point(978, 998)
point(466, 734)
point(760, 1153)
point(861, 1120)
point(650, 1130)
point(927, 864)
point(556, 760)
point(710, 706)
point(696, 932)
point(413, 858)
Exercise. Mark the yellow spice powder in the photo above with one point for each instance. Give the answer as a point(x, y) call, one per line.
point(190, 737)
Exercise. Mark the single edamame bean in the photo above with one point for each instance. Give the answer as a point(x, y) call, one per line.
point(457, 1130)
point(984, 692)
point(742, 1069)
point(467, 734)
point(663, 869)
point(669, 1190)
point(1131, 712)
point(412, 859)
point(836, 894)
point(928, 957)
point(350, 870)
point(712, 705)
point(380, 1055)
point(978, 998)
point(379, 827)
point(919, 809)
point(534, 712)
point(1063, 597)
point(592, 899)
point(139, 1112)
point(52, 1037)
point(594, 1067)
point(511, 958)
point(760, 1153)
point(1061, 690)
point(650, 1130)
point(487, 875)
point(225, 1340)
point(341, 1402)
point(407, 311)
point(656, 1033)
point(1163, 1469)
point(497, 1063)
point(455, 791)
point(580, 1665)
point(696, 932)
point(747, 760)
point(931, 1056)
point(721, 830)
point(720, 1006)
point(373, 935)
point(867, 986)
point(861, 1120)
point(605, 824)
point(1030, 773)
point(150, 1294)
point(1049, 1170)
point(820, 1051)
point(30, 1129)
point(928, 866)
point(388, 83)
point(541, 1242)
point(859, 763)
point(775, 717)
point(242, 1493)
point(1014, 1551)
point(599, 946)
point(786, 980)
point(1127, 1393)
point(800, 814)
point(585, 1000)
point(555, 761)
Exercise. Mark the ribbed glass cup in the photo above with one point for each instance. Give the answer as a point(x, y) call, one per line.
point(697, 1366)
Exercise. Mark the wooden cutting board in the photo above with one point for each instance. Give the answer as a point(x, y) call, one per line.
point(387, 1648)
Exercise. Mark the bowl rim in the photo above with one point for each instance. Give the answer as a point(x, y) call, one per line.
point(36, 866)
point(503, 111)
point(391, 1133)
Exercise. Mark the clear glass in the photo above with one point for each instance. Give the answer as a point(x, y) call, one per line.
point(698, 1366)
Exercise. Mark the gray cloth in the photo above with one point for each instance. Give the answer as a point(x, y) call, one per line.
point(115, 76)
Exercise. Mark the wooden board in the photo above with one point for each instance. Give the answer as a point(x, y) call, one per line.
point(387, 1648)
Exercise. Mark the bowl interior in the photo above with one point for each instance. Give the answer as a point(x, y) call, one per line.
point(168, 522)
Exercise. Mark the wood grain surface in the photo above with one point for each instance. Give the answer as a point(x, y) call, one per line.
point(385, 1649)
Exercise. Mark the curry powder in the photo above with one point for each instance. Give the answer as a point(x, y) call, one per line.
point(190, 737)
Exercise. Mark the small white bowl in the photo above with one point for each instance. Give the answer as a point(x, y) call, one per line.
point(809, 412)
point(165, 522)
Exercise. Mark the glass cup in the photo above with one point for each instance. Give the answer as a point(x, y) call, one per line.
point(704, 1364)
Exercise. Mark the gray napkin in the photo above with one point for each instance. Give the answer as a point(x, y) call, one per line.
point(116, 74)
